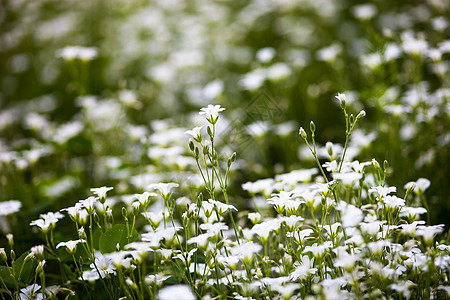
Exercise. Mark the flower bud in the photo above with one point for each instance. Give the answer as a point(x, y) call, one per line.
point(361, 114)
point(352, 119)
point(302, 133)
point(3, 255)
point(312, 127)
point(10, 238)
point(209, 131)
point(191, 145)
point(385, 165)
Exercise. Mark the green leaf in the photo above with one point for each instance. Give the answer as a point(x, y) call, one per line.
point(7, 278)
point(27, 268)
point(118, 234)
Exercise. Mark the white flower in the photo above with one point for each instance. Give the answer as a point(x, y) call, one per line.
point(246, 251)
point(264, 229)
point(30, 293)
point(222, 208)
point(393, 201)
point(90, 275)
point(428, 232)
point(78, 52)
point(178, 291)
point(211, 112)
point(383, 191)
point(364, 11)
point(403, 287)
point(351, 215)
point(254, 217)
point(348, 179)
point(144, 198)
point(70, 245)
point(103, 264)
point(303, 269)
point(195, 133)
point(420, 185)
point(101, 191)
point(47, 221)
point(340, 97)
point(89, 203)
point(214, 228)
point(9, 207)
point(265, 55)
point(412, 212)
point(165, 189)
point(201, 240)
point(319, 250)
point(253, 80)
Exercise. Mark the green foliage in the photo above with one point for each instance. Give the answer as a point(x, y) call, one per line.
point(116, 238)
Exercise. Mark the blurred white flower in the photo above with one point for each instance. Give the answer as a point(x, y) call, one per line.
point(78, 52)
point(211, 112)
point(175, 292)
point(265, 55)
point(9, 207)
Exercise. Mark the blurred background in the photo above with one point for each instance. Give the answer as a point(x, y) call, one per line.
point(100, 92)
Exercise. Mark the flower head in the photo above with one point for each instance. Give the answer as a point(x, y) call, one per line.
point(211, 112)
point(101, 192)
point(195, 133)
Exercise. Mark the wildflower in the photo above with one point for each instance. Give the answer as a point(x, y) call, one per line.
point(38, 251)
point(9, 207)
point(285, 200)
point(419, 186)
point(175, 292)
point(31, 292)
point(412, 212)
point(410, 229)
point(341, 98)
point(90, 275)
point(101, 193)
point(303, 269)
point(155, 218)
point(351, 215)
point(70, 245)
point(47, 221)
point(89, 203)
point(165, 189)
point(348, 179)
point(372, 228)
point(73, 211)
point(195, 133)
point(383, 191)
point(346, 261)
point(201, 240)
point(264, 229)
point(403, 287)
point(246, 251)
point(157, 279)
point(222, 208)
point(254, 217)
point(393, 202)
point(187, 260)
point(103, 264)
point(319, 250)
point(211, 112)
point(428, 232)
point(214, 228)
